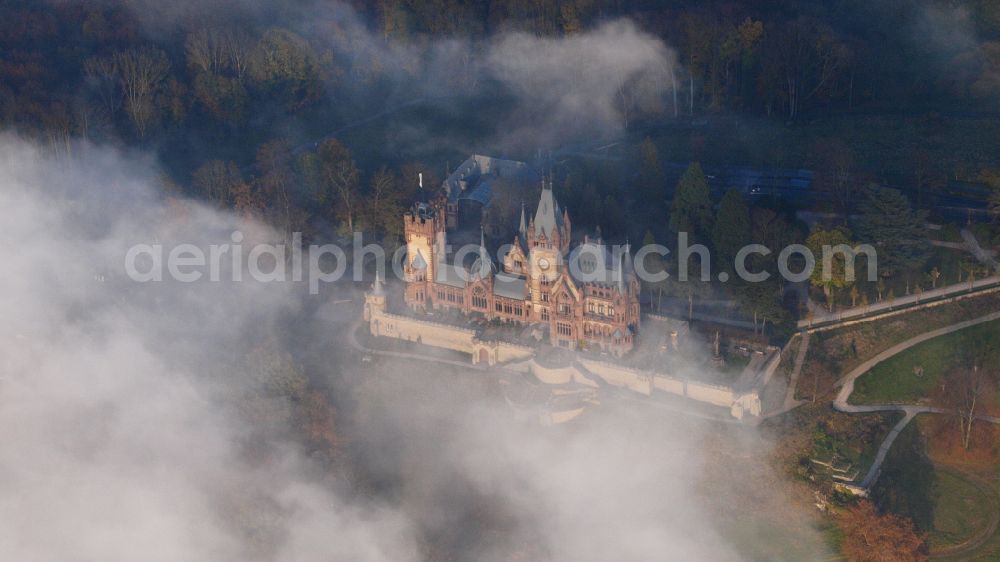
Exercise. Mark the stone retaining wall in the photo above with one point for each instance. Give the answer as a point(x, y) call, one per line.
point(464, 340)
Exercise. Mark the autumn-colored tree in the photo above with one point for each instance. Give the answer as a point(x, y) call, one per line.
point(835, 242)
point(872, 536)
point(284, 63)
point(222, 96)
point(275, 379)
point(318, 421)
point(384, 205)
point(247, 201)
point(216, 180)
point(274, 163)
point(219, 59)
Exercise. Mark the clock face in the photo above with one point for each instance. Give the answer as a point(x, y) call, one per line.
point(543, 264)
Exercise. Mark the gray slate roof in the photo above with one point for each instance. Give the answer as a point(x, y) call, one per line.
point(478, 172)
point(448, 274)
point(509, 285)
point(547, 216)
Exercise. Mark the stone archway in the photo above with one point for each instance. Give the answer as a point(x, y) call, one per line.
point(484, 356)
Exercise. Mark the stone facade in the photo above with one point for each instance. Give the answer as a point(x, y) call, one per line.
point(741, 400)
point(446, 336)
point(593, 306)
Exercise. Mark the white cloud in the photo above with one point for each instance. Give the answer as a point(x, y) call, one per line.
point(115, 447)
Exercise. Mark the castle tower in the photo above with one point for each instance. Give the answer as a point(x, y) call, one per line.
point(424, 230)
point(548, 241)
point(374, 299)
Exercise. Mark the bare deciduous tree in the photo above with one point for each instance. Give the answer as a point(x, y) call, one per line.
point(141, 73)
point(341, 178)
point(102, 72)
point(206, 50)
point(965, 392)
point(238, 46)
point(274, 164)
point(385, 203)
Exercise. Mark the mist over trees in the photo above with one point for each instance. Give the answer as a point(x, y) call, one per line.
point(318, 118)
point(871, 535)
point(228, 66)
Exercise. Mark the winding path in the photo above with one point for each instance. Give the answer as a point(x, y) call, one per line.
point(800, 359)
point(824, 319)
point(910, 411)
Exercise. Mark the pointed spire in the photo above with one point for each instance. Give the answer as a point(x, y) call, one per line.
point(484, 265)
point(629, 266)
point(545, 216)
point(523, 228)
point(377, 285)
point(621, 274)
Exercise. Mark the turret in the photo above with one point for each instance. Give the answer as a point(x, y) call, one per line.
point(620, 275)
point(374, 299)
point(522, 229)
point(483, 266)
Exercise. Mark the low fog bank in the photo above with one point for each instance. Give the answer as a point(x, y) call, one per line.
point(134, 430)
point(625, 481)
point(123, 439)
point(515, 91)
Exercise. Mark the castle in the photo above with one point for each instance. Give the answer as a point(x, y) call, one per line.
point(593, 305)
point(579, 297)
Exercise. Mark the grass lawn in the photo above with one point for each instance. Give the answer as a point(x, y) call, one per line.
point(760, 539)
point(960, 509)
point(893, 380)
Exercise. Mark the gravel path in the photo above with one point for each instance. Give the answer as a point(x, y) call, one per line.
point(846, 383)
